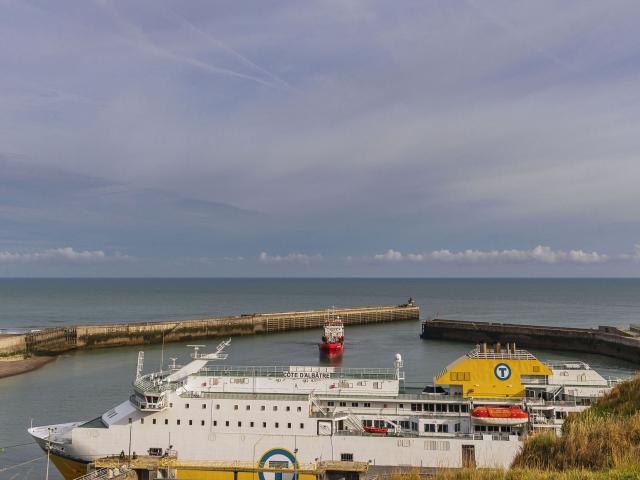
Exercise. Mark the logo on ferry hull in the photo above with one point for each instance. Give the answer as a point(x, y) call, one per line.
point(278, 458)
point(502, 371)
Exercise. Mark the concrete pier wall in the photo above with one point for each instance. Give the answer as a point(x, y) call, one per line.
point(12, 345)
point(609, 341)
point(56, 340)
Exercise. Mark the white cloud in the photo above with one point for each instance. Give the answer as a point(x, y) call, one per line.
point(294, 257)
point(539, 254)
point(65, 255)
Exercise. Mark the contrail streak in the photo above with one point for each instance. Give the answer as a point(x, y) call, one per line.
point(220, 44)
point(139, 38)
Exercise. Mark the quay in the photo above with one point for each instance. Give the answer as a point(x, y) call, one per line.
point(148, 467)
point(53, 341)
point(623, 343)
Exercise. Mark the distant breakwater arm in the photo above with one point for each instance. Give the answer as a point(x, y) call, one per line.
point(53, 341)
point(623, 343)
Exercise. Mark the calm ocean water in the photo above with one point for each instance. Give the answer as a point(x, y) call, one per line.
point(85, 384)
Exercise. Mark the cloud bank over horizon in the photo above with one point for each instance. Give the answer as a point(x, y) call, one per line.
point(495, 139)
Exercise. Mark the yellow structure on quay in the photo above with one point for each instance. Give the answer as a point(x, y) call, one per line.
point(172, 467)
point(496, 373)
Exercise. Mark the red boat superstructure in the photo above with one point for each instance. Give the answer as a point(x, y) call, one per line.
point(333, 338)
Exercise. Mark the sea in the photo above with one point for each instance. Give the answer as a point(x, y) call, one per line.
point(83, 385)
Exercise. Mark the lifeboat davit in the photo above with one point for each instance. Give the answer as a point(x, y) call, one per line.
point(507, 415)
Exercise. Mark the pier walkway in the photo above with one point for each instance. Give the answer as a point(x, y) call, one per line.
point(623, 343)
point(52, 341)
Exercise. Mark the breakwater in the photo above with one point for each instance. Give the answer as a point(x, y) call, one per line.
point(53, 341)
point(623, 343)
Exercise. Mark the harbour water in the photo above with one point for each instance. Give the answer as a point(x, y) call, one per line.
point(83, 385)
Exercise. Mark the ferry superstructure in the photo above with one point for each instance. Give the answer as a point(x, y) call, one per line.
point(292, 415)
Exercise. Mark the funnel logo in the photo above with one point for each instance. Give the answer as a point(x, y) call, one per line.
point(278, 459)
point(502, 371)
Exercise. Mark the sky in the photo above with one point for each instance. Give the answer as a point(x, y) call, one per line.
point(320, 138)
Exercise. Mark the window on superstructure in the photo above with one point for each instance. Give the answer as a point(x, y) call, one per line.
point(277, 425)
point(441, 407)
point(215, 423)
point(142, 421)
point(443, 428)
point(354, 404)
point(170, 404)
point(217, 406)
point(166, 421)
point(330, 404)
point(177, 422)
point(454, 408)
point(288, 408)
point(153, 421)
point(367, 404)
point(301, 425)
point(343, 404)
point(263, 408)
point(429, 427)
point(275, 408)
point(456, 427)
point(299, 409)
point(248, 407)
point(204, 405)
point(186, 405)
point(239, 424)
point(202, 423)
point(464, 408)
point(226, 423)
point(190, 422)
point(288, 425)
point(264, 424)
point(251, 424)
point(235, 407)
point(346, 457)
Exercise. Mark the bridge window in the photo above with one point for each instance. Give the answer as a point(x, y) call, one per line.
point(464, 408)
point(346, 457)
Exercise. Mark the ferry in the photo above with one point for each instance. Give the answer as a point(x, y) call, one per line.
point(333, 337)
point(211, 416)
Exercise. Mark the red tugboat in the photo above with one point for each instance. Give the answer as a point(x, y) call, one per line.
point(333, 339)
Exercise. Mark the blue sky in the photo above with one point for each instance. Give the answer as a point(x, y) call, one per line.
point(355, 138)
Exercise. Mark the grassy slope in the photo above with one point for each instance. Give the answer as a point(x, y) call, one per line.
point(600, 443)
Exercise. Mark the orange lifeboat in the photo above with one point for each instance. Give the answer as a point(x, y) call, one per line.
point(376, 429)
point(499, 415)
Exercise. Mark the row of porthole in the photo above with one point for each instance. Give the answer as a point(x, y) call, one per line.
point(247, 407)
point(215, 423)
